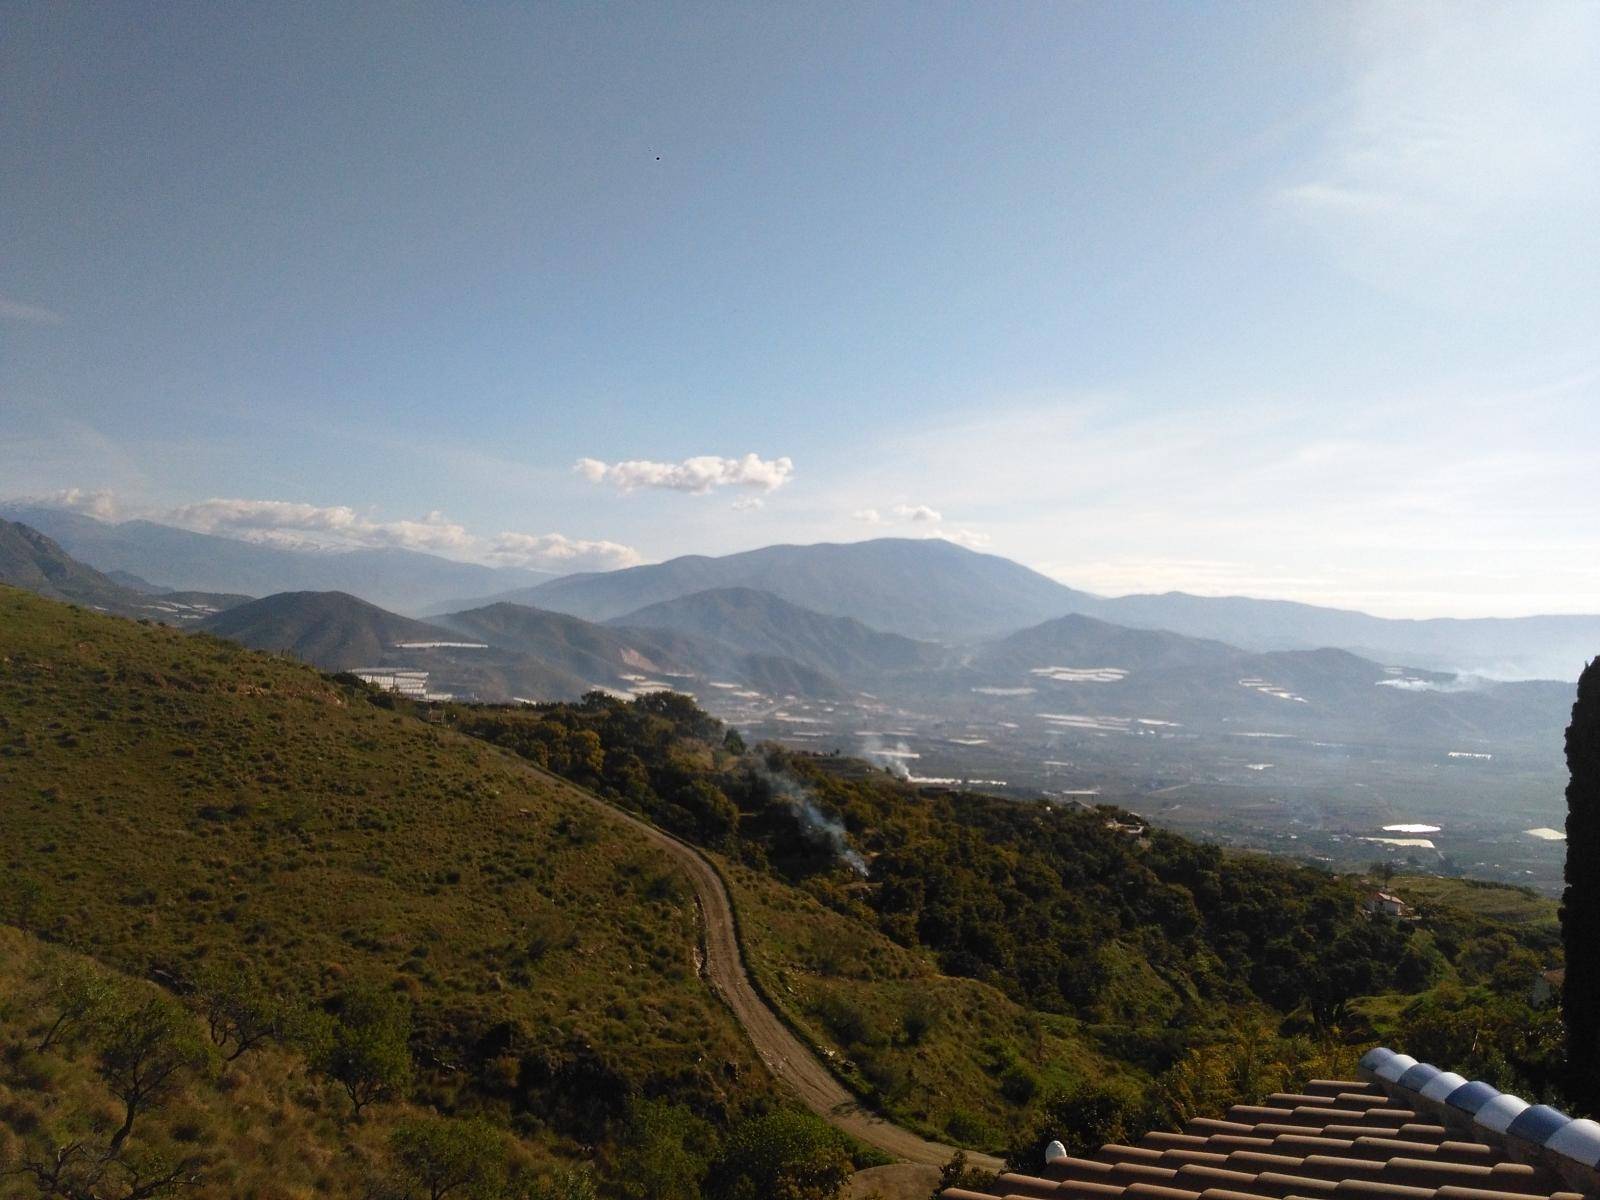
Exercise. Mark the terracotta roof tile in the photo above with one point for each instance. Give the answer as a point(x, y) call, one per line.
point(1407, 1131)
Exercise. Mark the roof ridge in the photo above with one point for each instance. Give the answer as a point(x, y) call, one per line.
point(1403, 1131)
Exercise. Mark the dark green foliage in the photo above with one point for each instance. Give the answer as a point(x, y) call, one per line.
point(367, 1047)
point(1083, 1119)
point(629, 752)
point(1494, 1037)
point(240, 1013)
point(437, 1157)
point(76, 998)
point(957, 1174)
point(1029, 898)
point(1166, 945)
point(1580, 903)
point(661, 1152)
point(785, 1155)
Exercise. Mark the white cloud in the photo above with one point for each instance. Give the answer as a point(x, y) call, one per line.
point(748, 504)
point(867, 516)
point(33, 314)
point(919, 513)
point(339, 526)
point(696, 476)
point(556, 552)
point(99, 503)
point(334, 524)
point(970, 538)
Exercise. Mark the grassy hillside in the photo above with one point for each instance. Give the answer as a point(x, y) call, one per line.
point(952, 1058)
point(1054, 948)
point(261, 1127)
point(1518, 906)
point(173, 802)
point(331, 629)
point(30, 560)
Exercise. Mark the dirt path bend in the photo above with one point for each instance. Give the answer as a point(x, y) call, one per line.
point(790, 1059)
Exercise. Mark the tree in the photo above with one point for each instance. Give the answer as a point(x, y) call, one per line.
point(240, 1014)
point(440, 1156)
point(785, 1155)
point(368, 1048)
point(77, 995)
point(958, 1174)
point(564, 1183)
point(660, 1153)
point(1580, 903)
point(148, 1046)
point(1082, 1119)
point(81, 1171)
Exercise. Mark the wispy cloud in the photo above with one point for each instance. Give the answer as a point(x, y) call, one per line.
point(1466, 156)
point(100, 503)
point(970, 538)
point(1471, 498)
point(32, 314)
point(696, 476)
point(300, 525)
point(929, 519)
point(335, 523)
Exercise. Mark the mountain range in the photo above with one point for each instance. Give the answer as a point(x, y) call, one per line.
point(1072, 673)
point(920, 589)
point(761, 623)
point(1299, 747)
point(30, 560)
point(933, 589)
point(180, 559)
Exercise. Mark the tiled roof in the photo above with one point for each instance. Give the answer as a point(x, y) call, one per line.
point(1403, 1131)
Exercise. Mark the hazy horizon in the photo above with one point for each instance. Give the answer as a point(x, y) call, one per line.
point(1296, 302)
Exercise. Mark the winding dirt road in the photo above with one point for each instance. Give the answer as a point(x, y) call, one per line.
point(790, 1059)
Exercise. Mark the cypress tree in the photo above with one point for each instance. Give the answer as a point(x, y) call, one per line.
point(1580, 903)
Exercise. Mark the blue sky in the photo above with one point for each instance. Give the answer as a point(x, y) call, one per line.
point(1292, 300)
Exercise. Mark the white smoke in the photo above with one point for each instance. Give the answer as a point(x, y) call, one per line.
point(895, 759)
point(1454, 684)
point(817, 824)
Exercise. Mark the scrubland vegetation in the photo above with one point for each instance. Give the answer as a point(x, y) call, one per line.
point(180, 809)
point(375, 945)
point(997, 959)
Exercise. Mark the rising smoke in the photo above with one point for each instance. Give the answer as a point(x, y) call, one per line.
point(895, 759)
point(817, 825)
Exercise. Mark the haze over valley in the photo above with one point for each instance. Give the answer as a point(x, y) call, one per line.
point(949, 667)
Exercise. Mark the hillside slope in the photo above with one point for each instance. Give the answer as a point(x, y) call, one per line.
point(1535, 647)
point(36, 563)
point(172, 799)
point(330, 630)
point(762, 623)
point(168, 557)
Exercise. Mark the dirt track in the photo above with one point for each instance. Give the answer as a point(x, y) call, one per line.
point(784, 1053)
